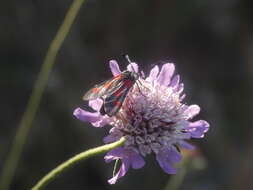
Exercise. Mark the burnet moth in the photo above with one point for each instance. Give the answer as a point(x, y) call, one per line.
point(113, 91)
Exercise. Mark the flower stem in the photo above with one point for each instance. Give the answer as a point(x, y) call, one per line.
point(116, 164)
point(176, 180)
point(74, 160)
point(13, 156)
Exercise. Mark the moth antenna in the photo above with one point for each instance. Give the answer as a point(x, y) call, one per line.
point(130, 62)
point(128, 59)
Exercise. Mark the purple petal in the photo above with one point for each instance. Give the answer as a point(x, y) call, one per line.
point(184, 136)
point(114, 67)
point(153, 74)
point(104, 120)
point(182, 97)
point(132, 156)
point(175, 81)
point(128, 158)
point(198, 128)
point(86, 116)
point(117, 153)
point(180, 88)
point(110, 138)
point(137, 161)
point(166, 74)
point(115, 134)
point(96, 104)
point(191, 111)
point(114, 154)
point(173, 155)
point(142, 74)
point(166, 157)
point(95, 119)
point(186, 145)
point(122, 171)
point(133, 67)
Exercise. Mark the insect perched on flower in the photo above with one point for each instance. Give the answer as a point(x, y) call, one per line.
point(113, 91)
point(152, 117)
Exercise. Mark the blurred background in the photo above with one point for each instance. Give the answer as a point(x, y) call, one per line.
point(210, 42)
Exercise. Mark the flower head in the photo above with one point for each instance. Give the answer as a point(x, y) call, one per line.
point(153, 120)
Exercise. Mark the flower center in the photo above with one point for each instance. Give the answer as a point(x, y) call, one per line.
point(147, 118)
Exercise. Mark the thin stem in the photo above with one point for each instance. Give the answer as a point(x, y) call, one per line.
point(177, 180)
point(75, 160)
point(115, 167)
point(13, 156)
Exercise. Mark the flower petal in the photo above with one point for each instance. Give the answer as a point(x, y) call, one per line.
point(133, 67)
point(191, 111)
point(104, 120)
point(142, 74)
point(180, 88)
point(86, 116)
point(128, 158)
point(153, 74)
point(96, 104)
point(166, 157)
point(137, 161)
point(122, 171)
point(175, 81)
point(114, 67)
point(115, 134)
point(166, 74)
point(197, 129)
point(95, 119)
point(186, 145)
point(182, 97)
point(110, 138)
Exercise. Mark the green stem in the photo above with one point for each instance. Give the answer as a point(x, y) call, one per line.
point(13, 156)
point(115, 167)
point(74, 160)
point(176, 180)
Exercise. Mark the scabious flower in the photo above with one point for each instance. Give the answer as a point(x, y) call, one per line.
point(153, 120)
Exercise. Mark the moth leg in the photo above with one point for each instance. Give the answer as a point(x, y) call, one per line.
point(143, 85)
point(102, 109)
point(137, 83)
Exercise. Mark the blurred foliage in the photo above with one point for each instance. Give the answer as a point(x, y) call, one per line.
point(211, 43)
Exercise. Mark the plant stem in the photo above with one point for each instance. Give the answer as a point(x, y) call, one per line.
point(74, 160)
point(13, 156)
point(116, 164)
point(176, 180)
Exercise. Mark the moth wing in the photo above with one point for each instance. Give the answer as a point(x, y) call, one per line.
point(113, 104)
point(123, 81)
point(114, 101)
point(102, 89)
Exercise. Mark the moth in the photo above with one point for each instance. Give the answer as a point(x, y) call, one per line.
point(113, 91)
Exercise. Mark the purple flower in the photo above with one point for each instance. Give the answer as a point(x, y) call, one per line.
point(153, 120)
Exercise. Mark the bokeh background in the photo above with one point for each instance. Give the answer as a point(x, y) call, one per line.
point(211, 43)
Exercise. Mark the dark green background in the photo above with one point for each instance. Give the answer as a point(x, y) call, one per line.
point(211, 43)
